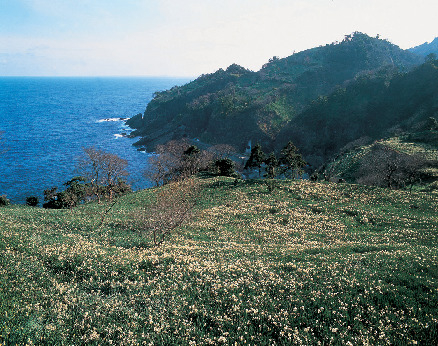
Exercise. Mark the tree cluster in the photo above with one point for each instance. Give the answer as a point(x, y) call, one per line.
point(175, 160)
point(101, 177)
point(289, 164)
point(178, 159)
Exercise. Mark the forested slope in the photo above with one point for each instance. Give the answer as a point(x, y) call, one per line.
point(236, 105)
point(375, 106)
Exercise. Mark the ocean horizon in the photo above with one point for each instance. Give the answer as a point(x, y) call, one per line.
point(47, 121)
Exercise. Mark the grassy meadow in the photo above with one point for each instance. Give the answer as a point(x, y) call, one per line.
point(304, 264)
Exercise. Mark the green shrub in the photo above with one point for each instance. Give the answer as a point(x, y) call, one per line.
point(225, 167)
point(32, 201)
point(271, 184)
point(4, 201)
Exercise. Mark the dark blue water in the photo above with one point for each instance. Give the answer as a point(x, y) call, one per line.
point(46, 123)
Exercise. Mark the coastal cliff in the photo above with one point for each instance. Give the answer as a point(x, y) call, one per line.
point(237, 105)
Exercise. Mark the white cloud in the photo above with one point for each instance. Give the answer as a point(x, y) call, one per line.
point(172, 37)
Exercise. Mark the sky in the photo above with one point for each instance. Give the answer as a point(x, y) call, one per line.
point(188, 38)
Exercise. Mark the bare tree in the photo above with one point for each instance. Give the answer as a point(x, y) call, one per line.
point(387, 167)
point(173, 207)
point(165, 166)
point(195, 160)
point(103, 171)
point(176, 160)
point(412, 169)
point(158, 169)
point(379, 167)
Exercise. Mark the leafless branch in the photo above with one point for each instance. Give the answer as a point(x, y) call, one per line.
point(174, 206)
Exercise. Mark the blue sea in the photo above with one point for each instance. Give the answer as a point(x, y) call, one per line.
point(47, 121)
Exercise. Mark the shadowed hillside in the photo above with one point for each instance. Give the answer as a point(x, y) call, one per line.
point(375, 105)
point(408, 160)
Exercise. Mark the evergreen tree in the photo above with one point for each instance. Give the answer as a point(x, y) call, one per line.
point(291, 161)
point(4, 201)
point(256, 158)
point(32, 201)
point(74, 194)
point(225, 167)
point(272, 164)
point(431, 124)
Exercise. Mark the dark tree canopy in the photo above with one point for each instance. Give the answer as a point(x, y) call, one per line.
point(225, 167)
point(256, 158)
point(291, 161)
point(271, 165)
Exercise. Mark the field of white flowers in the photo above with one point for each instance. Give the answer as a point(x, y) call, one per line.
point(307, 263)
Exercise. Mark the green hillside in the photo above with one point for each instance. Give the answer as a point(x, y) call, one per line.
point(414, 155)
point(235, 105)
point(426, 48)
point(375, 105)
point(306, 263)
